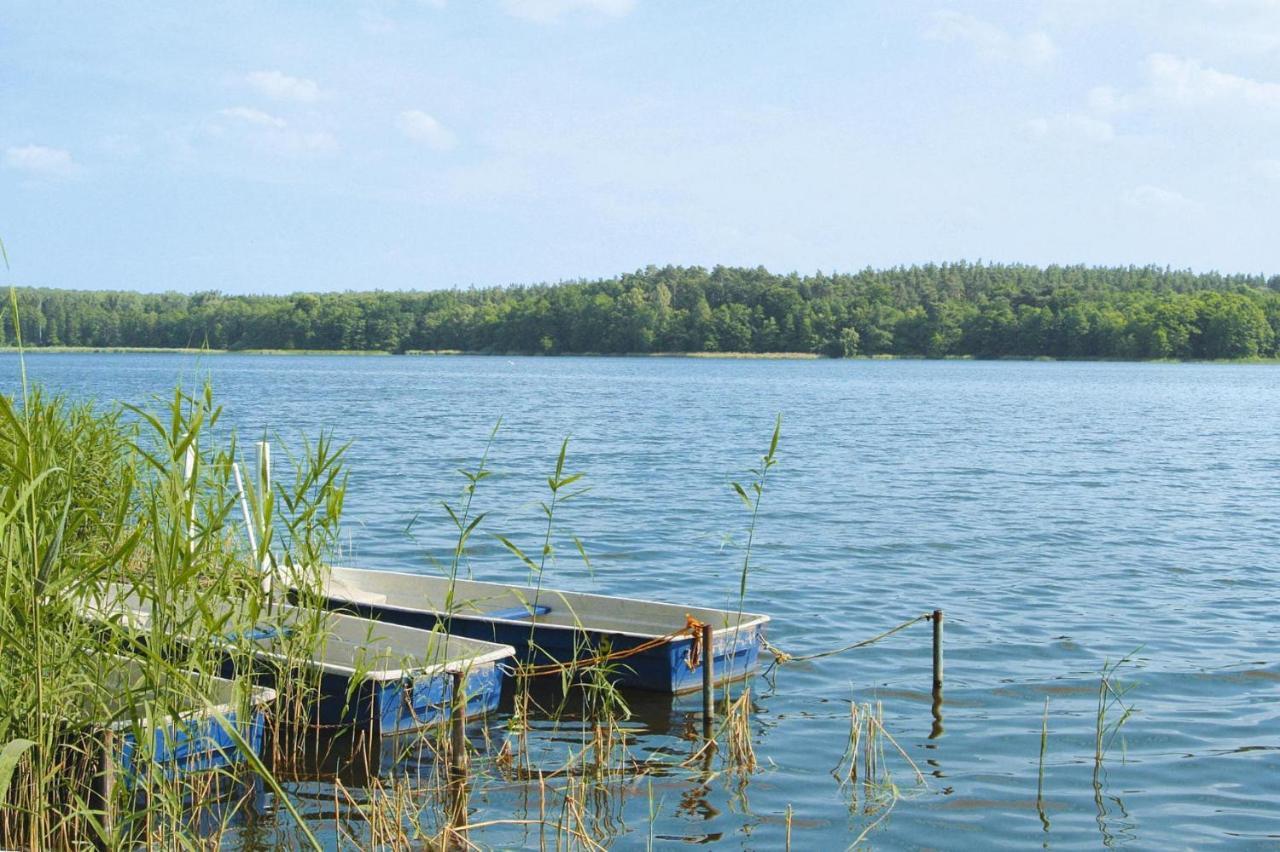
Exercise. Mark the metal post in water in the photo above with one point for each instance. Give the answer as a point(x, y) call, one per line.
point(708, 681)
point(936, 708)
point(937, 651)
point(458, 727)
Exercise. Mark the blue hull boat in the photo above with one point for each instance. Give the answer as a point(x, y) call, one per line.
point(382, 676)
point(550, 626)
point(387, 677)
point(176, 734)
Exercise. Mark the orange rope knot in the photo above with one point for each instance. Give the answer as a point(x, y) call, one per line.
point(693, 627)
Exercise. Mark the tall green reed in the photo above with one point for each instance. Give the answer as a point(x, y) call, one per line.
point(126, 500)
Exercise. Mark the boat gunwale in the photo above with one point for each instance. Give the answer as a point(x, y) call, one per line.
point(259, 697)
point(462, 665)
point(749, 620)
point(138, 618)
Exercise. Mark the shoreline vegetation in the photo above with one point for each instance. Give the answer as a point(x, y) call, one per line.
point(956, 310)
point(707, 356)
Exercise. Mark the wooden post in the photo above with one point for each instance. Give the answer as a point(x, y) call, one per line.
point(937, 729)
point(708, 681)
point(455, 836)
point(458, 726)
point(937, 651)
point(107, 785)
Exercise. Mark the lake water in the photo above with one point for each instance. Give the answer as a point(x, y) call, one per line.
point(1062, 515)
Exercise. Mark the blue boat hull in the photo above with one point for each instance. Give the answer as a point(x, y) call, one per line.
point(191, 746)
point(666, 668)
point(401, 705)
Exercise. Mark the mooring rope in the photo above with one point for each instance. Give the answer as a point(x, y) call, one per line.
point(780, 656)
point(692, 627)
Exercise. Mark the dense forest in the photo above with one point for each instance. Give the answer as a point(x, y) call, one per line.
point(973, 309)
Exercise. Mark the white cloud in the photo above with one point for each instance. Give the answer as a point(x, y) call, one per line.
point(1107, 100)
point(311, 142)
point(253, 116)
point(1269, 169)
point(264, 132)
point(1069, 127)
point(549, 10)
point(1188, 83)
point(990, 41)
point(120, 145)
point(282, 87)
point(40, 160)
point(420, 127)
point(1036, 48)
point(1157, 199)
point(376, 23)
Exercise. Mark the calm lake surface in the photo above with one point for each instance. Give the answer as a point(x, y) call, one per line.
point(1063, 515)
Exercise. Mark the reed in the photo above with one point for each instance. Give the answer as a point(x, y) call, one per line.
point(127, 498)
point(741, 753)
point(1044, 744)
point(865, 771)
point(1113, 711)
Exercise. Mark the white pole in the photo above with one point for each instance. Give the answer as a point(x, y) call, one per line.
point(264, 494)
point(264, 464)
point(244, 510)
point(189, 480)
point(264, 485)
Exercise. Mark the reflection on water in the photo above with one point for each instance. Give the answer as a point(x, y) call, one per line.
point(1061, 515)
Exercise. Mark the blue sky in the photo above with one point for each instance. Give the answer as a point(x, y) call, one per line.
point(273, 147)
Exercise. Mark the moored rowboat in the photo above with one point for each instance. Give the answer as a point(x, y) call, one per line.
point(551, 626)
point(384, 676)
point(179, 731)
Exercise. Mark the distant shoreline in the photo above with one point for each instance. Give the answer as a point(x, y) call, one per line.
point(724, 356)
point(960, 309)
point(173, 350)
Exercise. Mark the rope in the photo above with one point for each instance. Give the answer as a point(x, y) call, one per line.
point(780, 656)
point(692, 627)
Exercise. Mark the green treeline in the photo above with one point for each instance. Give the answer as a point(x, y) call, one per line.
point(978, 310)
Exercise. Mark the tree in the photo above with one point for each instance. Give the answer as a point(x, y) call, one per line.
point(983, 310)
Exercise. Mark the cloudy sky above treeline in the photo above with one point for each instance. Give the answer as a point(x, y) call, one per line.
point(282, 146)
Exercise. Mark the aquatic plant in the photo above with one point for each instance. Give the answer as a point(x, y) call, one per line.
point(752, 503)
point(864, 770)
point(1044, 744)
point(1112, 693)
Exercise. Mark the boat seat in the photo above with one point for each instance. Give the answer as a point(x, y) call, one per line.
point(341, 591)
